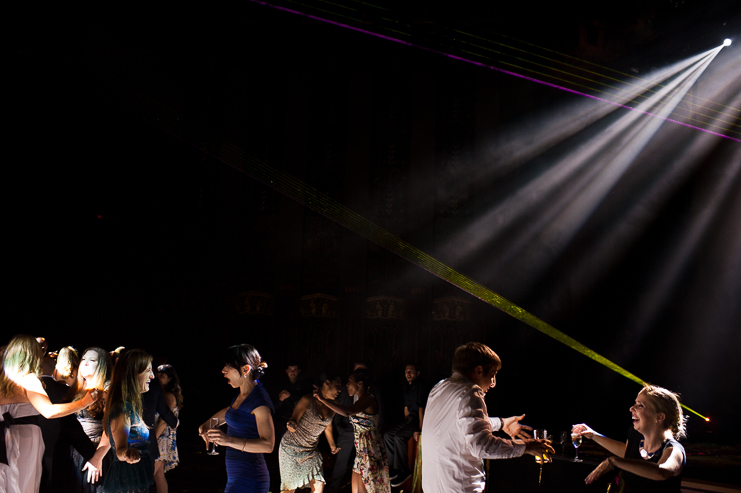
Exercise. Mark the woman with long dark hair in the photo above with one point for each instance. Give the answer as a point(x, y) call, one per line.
point(22, 398)
point(250, 419)
point(131, 471)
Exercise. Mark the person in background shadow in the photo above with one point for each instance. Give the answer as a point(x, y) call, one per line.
point(50, 428)
point(397, 438)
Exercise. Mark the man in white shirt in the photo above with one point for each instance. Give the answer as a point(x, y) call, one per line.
point(457, 430)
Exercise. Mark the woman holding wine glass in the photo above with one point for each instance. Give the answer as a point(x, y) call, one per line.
point(652, 459)
point(250, 419)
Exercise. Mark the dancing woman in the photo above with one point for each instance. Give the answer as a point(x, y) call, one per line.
point(250, 419)
point(72, 473)
point(371, 471)
point(300, 461)
point(131, 471)
point(652, 460)
point(22, 399)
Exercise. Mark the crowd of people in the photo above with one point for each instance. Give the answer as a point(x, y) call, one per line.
point(117, 428)
point(85, 422)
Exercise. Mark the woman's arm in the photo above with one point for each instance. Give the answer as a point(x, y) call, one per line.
point(262, 445)
point(670, 464)
point(36, 395)
point(330, 439)
point(301, 407)
point(367, 404)
point(203, 429)
point(94, 466)
point(171, 402)
point(613, 446)
point(120, 434)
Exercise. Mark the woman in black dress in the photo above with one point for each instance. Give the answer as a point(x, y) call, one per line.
point(652, 460)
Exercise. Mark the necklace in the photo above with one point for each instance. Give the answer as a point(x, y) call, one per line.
point(645, 453)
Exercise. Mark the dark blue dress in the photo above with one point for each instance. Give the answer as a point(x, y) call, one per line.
point(130, 478)
point(246, 472)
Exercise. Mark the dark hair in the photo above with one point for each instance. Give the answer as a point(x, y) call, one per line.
point(327, 376)
point(364, 377)
point(173, 386)
point(244, 354)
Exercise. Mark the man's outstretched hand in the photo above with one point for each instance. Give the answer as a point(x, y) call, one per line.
point(513, 428)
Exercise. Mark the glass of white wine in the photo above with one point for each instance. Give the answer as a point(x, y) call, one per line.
point(213, 423)
point(576, 440)
point(541, 435)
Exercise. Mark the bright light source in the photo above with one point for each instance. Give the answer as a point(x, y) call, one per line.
point(727, 42)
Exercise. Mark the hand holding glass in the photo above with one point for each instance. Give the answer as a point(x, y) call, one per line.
point(541, 435)
point(213, 423)
point(576, 440)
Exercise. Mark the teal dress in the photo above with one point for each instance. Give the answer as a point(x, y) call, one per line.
point(130, 478)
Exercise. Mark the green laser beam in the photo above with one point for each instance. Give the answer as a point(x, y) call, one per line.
point(290, 186)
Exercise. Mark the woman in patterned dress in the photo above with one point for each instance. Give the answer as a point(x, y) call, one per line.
point(300, 461)
point(166, 436)
point(370, 471)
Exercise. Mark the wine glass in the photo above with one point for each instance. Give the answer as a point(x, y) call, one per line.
point(213, 423)
point(576, 440)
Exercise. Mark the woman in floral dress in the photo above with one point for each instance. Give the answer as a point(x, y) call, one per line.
point(370, 471)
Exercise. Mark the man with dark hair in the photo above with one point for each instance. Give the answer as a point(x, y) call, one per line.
point(457, 433)
point(397, 438)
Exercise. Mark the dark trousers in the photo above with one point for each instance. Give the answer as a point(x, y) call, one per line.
point(343, 460)
point(396, 441)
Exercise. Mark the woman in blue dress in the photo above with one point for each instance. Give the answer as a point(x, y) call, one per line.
point(131, 471)
point(250, 419)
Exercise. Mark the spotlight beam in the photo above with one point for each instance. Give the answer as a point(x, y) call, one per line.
point(221, 149)
point(468, 60)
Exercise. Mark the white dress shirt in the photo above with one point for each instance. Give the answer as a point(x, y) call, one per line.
point(457, 436)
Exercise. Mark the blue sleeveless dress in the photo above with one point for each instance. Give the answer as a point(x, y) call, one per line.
point(246, 472)
point(130, 478)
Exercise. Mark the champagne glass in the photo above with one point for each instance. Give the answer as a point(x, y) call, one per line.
point(213, 423)
point(576, 440)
